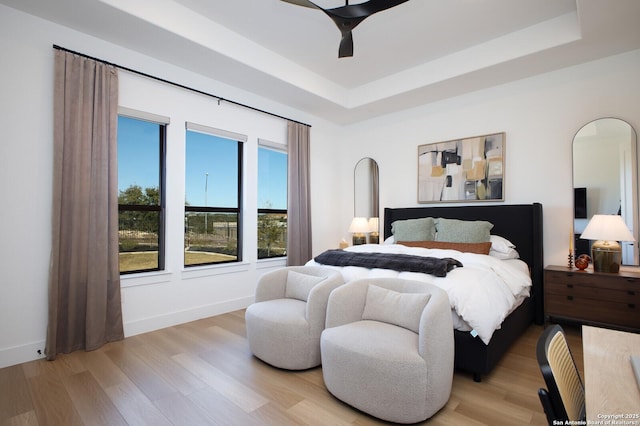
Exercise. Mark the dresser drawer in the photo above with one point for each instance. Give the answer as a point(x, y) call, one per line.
point(592, 297)
point(597, 293)
point(584, 279)
point(592, 310)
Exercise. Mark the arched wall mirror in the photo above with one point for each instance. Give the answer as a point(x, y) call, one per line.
point(365, 189)
point(605, 179)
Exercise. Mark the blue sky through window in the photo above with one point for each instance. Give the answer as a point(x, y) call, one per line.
point(211, 177)
point(138, 153)
point(272, 179)
point(211, 166)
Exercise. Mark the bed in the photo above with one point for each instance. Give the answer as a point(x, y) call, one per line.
point(519, 224)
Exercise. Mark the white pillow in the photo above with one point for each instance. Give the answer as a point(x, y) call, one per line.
point(502, 248)
point(501, 244)
point(389, 240)
point(512, 254)
point(299, 285)
point(392, 307)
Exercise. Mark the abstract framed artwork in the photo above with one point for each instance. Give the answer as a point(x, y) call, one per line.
point(462, 170)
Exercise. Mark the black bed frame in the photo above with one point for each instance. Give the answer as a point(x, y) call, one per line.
point(522, 225)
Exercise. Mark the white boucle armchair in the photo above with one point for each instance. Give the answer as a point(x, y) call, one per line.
point(288, 316)
point(388, 348)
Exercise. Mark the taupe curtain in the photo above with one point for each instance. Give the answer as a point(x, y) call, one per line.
point(298, 195)
point(84, 280)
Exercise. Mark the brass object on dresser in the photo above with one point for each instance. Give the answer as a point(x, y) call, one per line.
point(609, 300)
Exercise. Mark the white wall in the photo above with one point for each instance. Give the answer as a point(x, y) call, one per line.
point(180, 294)
point(539, 115)
point(153, 300)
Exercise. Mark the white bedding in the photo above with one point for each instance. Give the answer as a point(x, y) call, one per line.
point(482, 293)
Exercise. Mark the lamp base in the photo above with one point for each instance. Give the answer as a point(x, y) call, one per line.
point(374, 238)
point(607, 256)
point(359, 239)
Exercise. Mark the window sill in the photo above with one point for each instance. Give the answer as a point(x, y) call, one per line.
point(157, 277)
point(145, 278)
point(271, 263)
point(209, 270)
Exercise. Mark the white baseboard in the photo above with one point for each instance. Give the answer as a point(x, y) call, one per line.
point(180, 317)
point(23, 353)
point(29, 352)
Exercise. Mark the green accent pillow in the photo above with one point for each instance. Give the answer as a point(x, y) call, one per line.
point(463, 231)
point(422, 229)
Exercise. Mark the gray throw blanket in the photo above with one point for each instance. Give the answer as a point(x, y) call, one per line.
point(398, 262)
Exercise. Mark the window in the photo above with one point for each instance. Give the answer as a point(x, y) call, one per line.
point(141, 148)
point(272, 201)
point(213, 179)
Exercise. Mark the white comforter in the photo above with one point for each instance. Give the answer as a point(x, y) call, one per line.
point(482, 293)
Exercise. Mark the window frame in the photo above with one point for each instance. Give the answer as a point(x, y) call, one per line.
point(273, 146)
point(240, 141)
point(162, 123)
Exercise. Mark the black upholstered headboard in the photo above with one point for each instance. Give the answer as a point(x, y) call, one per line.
point(519, 223)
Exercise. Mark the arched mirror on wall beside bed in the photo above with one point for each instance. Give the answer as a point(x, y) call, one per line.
point(605, 180)
point(366, 204)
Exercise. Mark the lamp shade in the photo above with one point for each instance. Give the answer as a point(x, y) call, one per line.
point(374, 236)
point(607, 230)
point(359, 225)
point(609, 227)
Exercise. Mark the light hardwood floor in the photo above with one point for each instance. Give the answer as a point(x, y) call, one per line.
point(202, 373)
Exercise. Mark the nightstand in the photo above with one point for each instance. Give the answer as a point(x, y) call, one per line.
point(596, 298)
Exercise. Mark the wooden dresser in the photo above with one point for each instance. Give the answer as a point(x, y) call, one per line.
point(587, 297)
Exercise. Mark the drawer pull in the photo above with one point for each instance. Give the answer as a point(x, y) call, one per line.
point(569, 297)
point(631, 292)
point(631, 305)
point(569, 285)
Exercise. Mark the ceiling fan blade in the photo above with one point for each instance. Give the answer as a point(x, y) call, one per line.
point(348, 17)
point(346, 45)
point(379, 5)
point(363, 10)
point(344, 24)
point(304, 3)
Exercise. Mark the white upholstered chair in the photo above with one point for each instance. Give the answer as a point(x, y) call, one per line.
point(388, 348)
point(288, 316)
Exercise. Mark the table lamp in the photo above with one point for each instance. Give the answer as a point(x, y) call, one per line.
point(607, 230)
point(359, 227)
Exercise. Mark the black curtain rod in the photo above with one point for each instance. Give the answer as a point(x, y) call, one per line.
point(182, 86)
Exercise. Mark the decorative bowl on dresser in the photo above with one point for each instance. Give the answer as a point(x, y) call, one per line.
point(596, 298)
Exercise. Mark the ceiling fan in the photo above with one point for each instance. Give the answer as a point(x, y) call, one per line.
point(347, 17)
